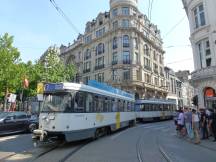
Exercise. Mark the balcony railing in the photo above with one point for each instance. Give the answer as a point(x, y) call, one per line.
point(155, 71)
point(204, 73)
point(86, 70)
point(126, 61)
point(162, 74)
point(99, 67)
point(148, 68)
point(114, 62)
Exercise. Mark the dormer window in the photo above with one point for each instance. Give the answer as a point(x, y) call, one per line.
point(101, 21)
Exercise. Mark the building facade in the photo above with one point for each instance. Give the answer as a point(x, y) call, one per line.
point(201, 16)
point(173, 86)
point(122, 48)
point(179, 88)
point(188, 90)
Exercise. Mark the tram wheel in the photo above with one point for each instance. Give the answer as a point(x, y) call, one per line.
point(96, 134)
point(108, 131)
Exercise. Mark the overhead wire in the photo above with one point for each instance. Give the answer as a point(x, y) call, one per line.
point(183, 60)
point(176, 25)
point(60, 11)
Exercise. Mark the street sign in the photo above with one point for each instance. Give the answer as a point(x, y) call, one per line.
point(40, 88)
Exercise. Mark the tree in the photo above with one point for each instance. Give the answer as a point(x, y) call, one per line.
point(10, 58)
point(52, 68)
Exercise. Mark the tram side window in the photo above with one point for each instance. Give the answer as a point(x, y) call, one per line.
point(162, 108)
point(114, 105)
point(96, 104)
point(130, 106)
point(154, 108)
point(120, 105)
point(89, 102)
point(79, 102)
point(125, 106)
point(107, 104)
point(166, 107)
point(101, 104)
point(144, 107)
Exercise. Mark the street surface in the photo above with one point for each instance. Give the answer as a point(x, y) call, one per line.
point(151, 142)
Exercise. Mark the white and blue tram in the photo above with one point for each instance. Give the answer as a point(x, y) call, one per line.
point(154, 109)
point(72, 111)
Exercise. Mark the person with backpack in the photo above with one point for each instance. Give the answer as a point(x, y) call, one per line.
point(195, 126)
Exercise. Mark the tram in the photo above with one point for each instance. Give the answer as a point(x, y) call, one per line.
point(72, 111)
point(154, 109)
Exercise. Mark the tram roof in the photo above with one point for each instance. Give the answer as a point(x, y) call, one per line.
point(51, 87)
point(154, 101)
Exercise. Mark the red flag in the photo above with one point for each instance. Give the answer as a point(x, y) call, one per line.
point(25, 83)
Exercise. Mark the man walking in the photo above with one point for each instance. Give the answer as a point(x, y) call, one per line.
point(188, 122)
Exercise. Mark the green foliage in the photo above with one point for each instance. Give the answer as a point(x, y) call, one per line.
point(9, 64)
point(12, 71)
point(53, 68)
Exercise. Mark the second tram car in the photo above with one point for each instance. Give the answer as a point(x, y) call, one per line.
point(154, 109)
point(72, 111)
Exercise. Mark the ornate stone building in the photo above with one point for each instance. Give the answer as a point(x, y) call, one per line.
point(201, 15)
point(122, 48)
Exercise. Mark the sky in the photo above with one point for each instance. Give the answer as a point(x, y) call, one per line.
point(36, 25)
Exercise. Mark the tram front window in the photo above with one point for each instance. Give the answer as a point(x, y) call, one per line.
point(58, 102)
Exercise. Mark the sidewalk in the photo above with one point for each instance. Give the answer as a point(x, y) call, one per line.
point(209, 144)
point(206, 143)
point(4, 155)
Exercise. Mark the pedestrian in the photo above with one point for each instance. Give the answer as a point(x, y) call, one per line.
point(204, 122)
point(181, 123)
point(195, 126)
point(213, 123)
point(188, 122)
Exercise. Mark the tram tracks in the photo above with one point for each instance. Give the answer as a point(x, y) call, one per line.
point(160, 152)
point(62, 152)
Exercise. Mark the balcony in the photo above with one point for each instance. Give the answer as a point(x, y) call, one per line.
point(126, 45)
point(162, 74)
point(126, 61)
point(155, 71)
point(205, 73)
point(99, 67)
point(87, 57)
point(148, 68)
point(114, 62)
point(86, 70)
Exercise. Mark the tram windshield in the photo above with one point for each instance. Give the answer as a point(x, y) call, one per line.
point(58, 102)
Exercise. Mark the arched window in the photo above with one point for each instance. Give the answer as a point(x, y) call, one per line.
point(146, 50)
point(100, 49)
point(115, 43)
point(126, 41)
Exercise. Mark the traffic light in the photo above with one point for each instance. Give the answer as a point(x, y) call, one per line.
point(195, 100)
